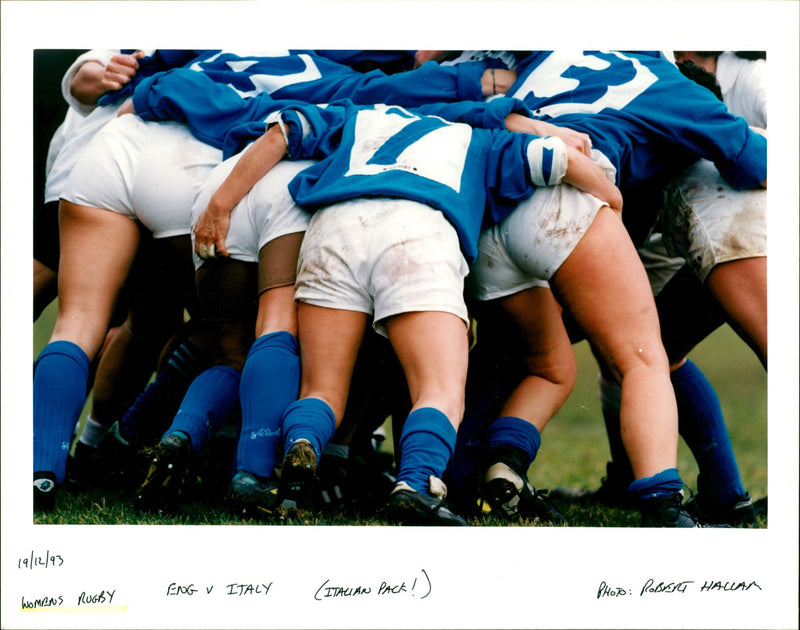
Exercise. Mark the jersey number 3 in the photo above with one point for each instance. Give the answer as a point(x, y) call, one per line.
point(547, 81)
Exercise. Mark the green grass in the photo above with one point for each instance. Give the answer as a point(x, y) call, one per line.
point(574, 446)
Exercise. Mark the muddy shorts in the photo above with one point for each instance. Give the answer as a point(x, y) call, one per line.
point(707, 222)
point(529, 245)
point(384, 257)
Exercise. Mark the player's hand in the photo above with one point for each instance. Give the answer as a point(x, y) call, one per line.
point(120, 70)
point(574, 139)
point(211, 230)
point(585, 175)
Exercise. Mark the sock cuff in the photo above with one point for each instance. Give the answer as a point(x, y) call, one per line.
point(687, 372)
point(430, 420)
point(280, 339)
point(226, 370)
point(514, 432)
point(316, 419)
point(662, 484)
point(310, 404)
point(66, 349)
point(92, 432)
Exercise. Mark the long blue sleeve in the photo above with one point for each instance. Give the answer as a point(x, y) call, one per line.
point(209, 108)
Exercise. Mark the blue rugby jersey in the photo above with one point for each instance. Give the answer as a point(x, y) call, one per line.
point(474, 176)
point(309, 77)
point(642, 113)
point(156, 61)
point(219, 115)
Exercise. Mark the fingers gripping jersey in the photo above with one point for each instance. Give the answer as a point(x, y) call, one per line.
point(642, 113)
point(155, 62)
point(388, 151)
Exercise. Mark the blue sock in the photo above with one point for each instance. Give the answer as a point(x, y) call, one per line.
point(309, 419)
point(208, 403)
point(663, 484)
point(153, 410)
point(515, 433)
point(60, 378)
point(270, 383)
point(426, 445)
point(702, 426)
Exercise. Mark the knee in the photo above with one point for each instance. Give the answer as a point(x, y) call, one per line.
point(649, 356)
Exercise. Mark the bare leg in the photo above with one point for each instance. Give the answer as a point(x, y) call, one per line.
point(740, 287)
point(433, 349)
point(97, 251)
point(550, 360)
point(277, 311)
point(329, 341)
point(604, 285)
point(121, 375)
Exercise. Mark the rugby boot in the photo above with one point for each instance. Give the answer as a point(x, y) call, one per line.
point(737, 513)
point(44, 491)
point(253, 496)
point(171, 478)
point(408, 507)
point(513, 497)
point(669, 512)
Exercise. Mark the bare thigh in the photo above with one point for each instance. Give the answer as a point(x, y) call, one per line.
point(329, 341)
point(97, 250)
point(432, 347)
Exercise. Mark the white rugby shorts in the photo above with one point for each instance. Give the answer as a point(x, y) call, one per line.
point(707, 222)
point(528, 246)
point(383, 257)
point(150, 171)
point(266, 212)
point(659, 264)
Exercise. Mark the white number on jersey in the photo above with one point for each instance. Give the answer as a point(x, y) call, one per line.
point(268, 83)
point(390, 138)
point(546, 82)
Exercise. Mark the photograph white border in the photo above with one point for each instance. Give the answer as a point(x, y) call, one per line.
point(477, 577)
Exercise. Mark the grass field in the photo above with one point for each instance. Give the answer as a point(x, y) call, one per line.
point(574, 446)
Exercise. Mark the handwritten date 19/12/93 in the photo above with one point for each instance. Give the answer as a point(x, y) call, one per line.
point(651, 587)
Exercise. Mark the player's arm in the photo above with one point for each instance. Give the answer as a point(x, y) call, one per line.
point(589, 177)
point(212, 226)
point(430, 83)
point(524, 124)
point(552, 162)
point(210, 109)
point(544, 161)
